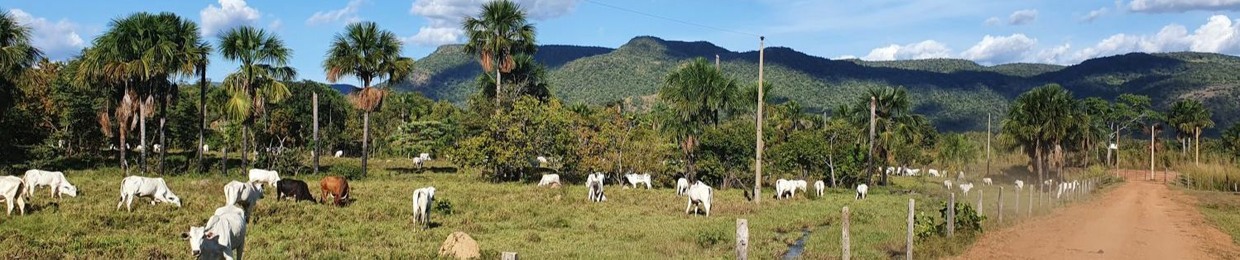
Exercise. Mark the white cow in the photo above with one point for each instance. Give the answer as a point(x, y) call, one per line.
point(1020, 185)
point(206, 148)
point(595, 183)
point(787, 188)
point(156, 146)
point(339, 153)
point(242, 194)
point(819, 186)
point(423, 199)
point(862, 189)
point(699, 198)
point(260, 177)
point(933, 172)
point(948, 183)
point(11, 190)
point(138, 186)
point(635, 179)
point(55, 180)
point(987, 181)
point(542, 161)
point(912, 172)
point(682, 186)
point(425, 156)
point(549, 179)
point(222, 236)
point(966, 187)
point(419, 161)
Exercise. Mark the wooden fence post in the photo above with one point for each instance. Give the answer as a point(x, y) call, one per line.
point(1000, 204)
point(742, 239)
point(981, 206)
point(509, 256)
point(951, 215)
point(1017, 204)
point(844, 240)
point(908, 247)
point(1031, 190)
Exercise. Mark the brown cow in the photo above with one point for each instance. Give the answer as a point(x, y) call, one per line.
point(335, 186)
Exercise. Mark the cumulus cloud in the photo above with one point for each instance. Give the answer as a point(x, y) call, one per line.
point(276, 25)
point(229, 14)
point(1000, 49)
point(1023, 17)
point(347, 14)
point(58, 40)
point(1179, 6)
point(922, 50)
point(444, 16)
point(992, 21)
point(1093, 15)
point(1219, 34)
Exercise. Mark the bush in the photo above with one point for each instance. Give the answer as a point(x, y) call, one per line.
point(710, 238)
point(287, 162)
point(349, 171)
point(443, 206)
point(967, 219)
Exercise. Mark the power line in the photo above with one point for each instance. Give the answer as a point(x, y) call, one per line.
point(670, 19)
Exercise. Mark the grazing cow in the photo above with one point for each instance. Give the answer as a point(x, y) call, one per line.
point(933, 172)
point(55, 180)
point(635, 179)
point(549, 179)
point(138, 186)
point(293, 189)
point(595, 183)
point(11, 190)
point(819, 186)
point(966, 187)
point(418, 161)
point(268, 177)
point(336, 187)
point(987, 181)
point(862, 189)
point(222, 236)
point(339, 153)
point(912, 172)
point(787, 188)
point(699, 198)
point(206, 148)
point(243, 194)
point(542, 161)
point(1020, 185)
point(948, 183)
point(423, 199)
point(682, 186)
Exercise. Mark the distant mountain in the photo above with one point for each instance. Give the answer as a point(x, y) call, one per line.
point(956, 94)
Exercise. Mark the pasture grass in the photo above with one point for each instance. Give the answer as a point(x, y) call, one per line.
point(1208, 176)
point(1220, 210)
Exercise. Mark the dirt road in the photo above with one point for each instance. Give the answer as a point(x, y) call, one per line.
point(1138, 220)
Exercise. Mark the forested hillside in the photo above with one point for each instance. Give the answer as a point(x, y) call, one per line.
point(955, 94)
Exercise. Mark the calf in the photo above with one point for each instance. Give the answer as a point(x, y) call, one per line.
point(682, 186)
point(55, 180)
point(242, 194)
point(268, 177)
point(336, 187)
point(222, 236)
point(862, 189)
point(11, 190)
point(293, 189)
point(819, 186)
point(138, 186)
point(549, 179)
point(699, 198)
point(423, 199)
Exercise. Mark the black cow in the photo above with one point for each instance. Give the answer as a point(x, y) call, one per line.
point(295, 189)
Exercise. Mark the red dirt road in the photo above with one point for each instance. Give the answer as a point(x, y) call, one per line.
point(1138, 220)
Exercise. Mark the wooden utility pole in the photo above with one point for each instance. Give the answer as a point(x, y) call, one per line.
point(869, 168)
point(717, 63)
point(1151, 152)
point(908, 246)
point(845, 239)
point(988, 132)
point(314, 97)
point(757, 179)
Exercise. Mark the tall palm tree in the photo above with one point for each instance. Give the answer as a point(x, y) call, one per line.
point(1040, 120)
point(257, 81)
point(368, 53)
point(16, 55)
point(1189, 117)
point(697, 96)
point(136, 57)
point(894, 123)
point(497, 35)
point(200, 65)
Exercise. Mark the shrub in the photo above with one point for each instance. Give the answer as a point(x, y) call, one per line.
point(349, 171)
point(443, 206)
point(710, 238)
point(967, 219)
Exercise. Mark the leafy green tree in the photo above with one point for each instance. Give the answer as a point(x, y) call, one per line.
point(511, 139)
point(367, 53)
point(956, 151)
point(697, 96)
point(16, 55)
point(1040, 120)
point(497, 35)
point(895, 125)
point(1231, 141)
point(1189, 117)
point(1126, 112)
point(258, 79)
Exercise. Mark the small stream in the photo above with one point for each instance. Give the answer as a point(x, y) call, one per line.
point(795, 250)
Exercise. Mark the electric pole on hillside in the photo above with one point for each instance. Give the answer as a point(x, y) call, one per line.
point(988, 131)
point(757, 179)
point(717, 63)
point(314, 97)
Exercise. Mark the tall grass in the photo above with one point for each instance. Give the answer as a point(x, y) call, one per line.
point(1214, 177)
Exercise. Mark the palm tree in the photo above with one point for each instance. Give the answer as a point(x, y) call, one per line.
point(257, 81)
point(1189, 117)
point(200, 65)
point(498, 34)
point(1040, 121)
point(16, 55)
point(136, 57)
point(894, 124)
point(697, 96)
point(367, 53)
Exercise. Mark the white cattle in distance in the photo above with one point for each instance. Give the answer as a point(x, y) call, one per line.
point(819, 186)
point(595, 184)
point(138, 186)
point(1020, 185)
point(339, 153)
point(948, 183)
point(635, 179)
point(966, 187)
point(261, 176)
point(987, 181)
point(862, 190)
point(682, 186)
point(243, 194)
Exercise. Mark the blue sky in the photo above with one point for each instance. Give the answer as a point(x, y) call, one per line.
point(986, 31)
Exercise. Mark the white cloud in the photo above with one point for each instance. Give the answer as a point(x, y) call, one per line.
point(992, 21)
point(1173, 6)
point(58, 40)
point(1054, 55)
point(347, 14)
point(229, 14)
point(1094, 15)
point(922, 50)
point(276, 25)
point(1001, 49)
point(1023, 17)
point(1220, 34)
point(444, 16)
point(845, 57)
